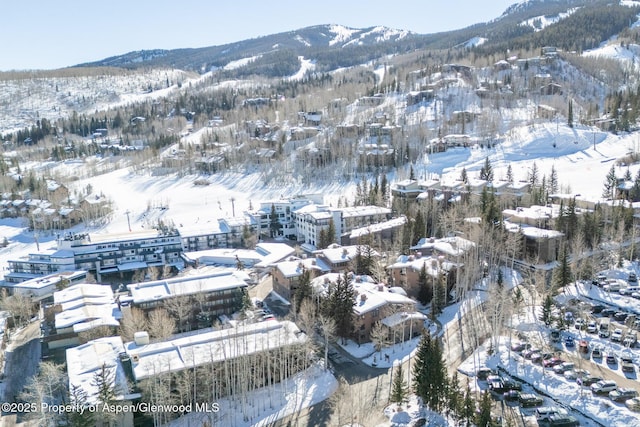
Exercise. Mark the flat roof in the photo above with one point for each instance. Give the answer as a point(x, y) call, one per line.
point(187, 285)
point(87, 360)
point(187, 352)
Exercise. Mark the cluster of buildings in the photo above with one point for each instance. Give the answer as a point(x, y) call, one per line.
point(300, 219)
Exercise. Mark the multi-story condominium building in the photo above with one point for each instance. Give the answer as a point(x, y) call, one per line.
point(102, 254)
point(204, 295)
point(285, 210)
point(42, 288)
point(312, 219)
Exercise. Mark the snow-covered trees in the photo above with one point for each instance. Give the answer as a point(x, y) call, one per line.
point(338, 304)
point(430, 374)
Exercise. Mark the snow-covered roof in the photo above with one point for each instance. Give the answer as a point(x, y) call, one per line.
point(263, 255)
point(398, 318)
point(293, 268)
point(453, 246)
point(186, 352)
point(378, 227)
point(434, 266)
point(370, 294)
point(187, 285)
point(531, 231)
point(336, 254)
point(87, 360)
point(83, 293)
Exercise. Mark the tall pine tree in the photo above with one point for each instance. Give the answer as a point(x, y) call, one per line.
point(430, 374)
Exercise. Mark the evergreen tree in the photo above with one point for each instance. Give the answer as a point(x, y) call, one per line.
point(274, 222)
point(547, 306)
point(399, 389)
point(570, 114)
point(500, 279)
point(635, 190)
point(430, 374)
point(455, 396)
point(484, 415)
point(419, 229)
point(323, 240)
point(610, 183)
point(439, 300)
point(384, 189)
point(553, 180)
point(331, 232)
point(338, 304)
point(562, 275)
point(412, 174)
point(533, 175)
point(78, 397)
point(468, 407)
point(425, 292)
point(303, 291)
point(509, 175)
point(486, 171)
point(463, 176)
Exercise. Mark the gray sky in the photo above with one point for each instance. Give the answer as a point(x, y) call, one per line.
point(39, 34)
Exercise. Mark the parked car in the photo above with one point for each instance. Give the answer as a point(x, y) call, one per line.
point(519, 347)
point(608, 312)
point(616, 336)
point(627, 364)
point(620, 316)
point(611, 359)
point(574, 374)
point(596, 309)
point(510, 384)
point(568, 341)
point(583, 346)
point(529, 400)
point(563, 367)
point(592, 327)
point(550, 363)
point(545, 412)
point(555, 335)
point(483, 373)
point(596, 353)
point(632, 277)
point(560, 420)
point(527, 354)
point(635, 295)
point(630, 290)
point(603, 387)
point(633, 404)
point(579, 324)
point(622, 394)
point(603, 333)
point(588, 380)
point(612, 286)
point(630, 339)
point(511, 396)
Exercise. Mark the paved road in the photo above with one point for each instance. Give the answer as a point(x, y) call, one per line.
point(21, 360)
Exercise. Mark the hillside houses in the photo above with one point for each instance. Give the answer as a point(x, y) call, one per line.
point(377, 303)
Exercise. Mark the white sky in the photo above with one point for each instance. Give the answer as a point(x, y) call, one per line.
point(45, 34)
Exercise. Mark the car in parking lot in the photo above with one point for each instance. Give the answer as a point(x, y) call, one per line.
point(616, 336)
point(603, 333)
point(519, 347)
point(611, 359)
point(560, 420)
point(510, 384)
point(588, 380)
point(483, 373)
point(592, 327)
point(627, 365)
point(555, 335)
point(633, 404)
point(622, 394)
point(620, 316)
point(596, 353)
point(563, 367)
point(597, 308)
point(579, 324)
point(608, 312)
point(630, 339)
point(550, 363)
point(544, 413)
point(568, 341)
point(511, 396)
point(603, 387)
point(529, 400)
point(528, 354)
point(574, 374)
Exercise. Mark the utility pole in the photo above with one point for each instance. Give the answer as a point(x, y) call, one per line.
point(128, 220)
point(233, 206)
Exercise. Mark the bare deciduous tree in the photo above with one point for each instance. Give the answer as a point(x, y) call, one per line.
point(133, 320)
point(161, 324)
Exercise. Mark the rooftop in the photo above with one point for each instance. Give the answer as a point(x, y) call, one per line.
point(210, 347)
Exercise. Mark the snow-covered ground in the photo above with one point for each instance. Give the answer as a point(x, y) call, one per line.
point(268, 404)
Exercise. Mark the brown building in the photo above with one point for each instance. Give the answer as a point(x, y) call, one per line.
point(286, 274)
